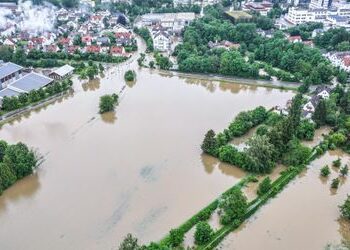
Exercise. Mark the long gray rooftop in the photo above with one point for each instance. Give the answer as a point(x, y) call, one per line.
point(8, 69)
point(8, 92)
point(30, 82)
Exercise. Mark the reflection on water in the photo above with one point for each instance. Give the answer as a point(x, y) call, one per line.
point(211, 163)
point(130, 84)
point(101, 181)
point(91, 85)
point(109, 117)
point(304, 216)
point(24, 189)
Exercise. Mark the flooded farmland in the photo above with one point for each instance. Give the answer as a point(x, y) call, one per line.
point(304, 216)
point(138, 169)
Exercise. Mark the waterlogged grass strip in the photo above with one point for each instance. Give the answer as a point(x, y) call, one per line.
point(277, 186)
point(206, 212)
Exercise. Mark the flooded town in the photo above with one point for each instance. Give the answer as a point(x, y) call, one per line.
point(174, 124)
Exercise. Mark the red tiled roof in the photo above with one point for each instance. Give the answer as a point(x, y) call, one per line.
point(86, 39)
point(346, 61)
point(117, 50)
point(93, 49)
point(122, 35)
point(64, 40)
point(294, 38)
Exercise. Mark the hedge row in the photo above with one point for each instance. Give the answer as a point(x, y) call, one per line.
point(205, 213)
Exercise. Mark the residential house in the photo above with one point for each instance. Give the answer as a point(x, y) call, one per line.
point(295, 39)
point(62, 72)
point(117, 51)
point(161, 40)
point(93, 49)
point(321, 92)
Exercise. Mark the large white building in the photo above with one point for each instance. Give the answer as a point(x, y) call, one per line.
point(299, 15)
point(161, 40)
point(338, 16)
point(175, 22)
point(316, 4)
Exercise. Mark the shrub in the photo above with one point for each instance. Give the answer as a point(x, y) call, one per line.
point(232, 206)
point(345, 209)
point(344, 170)
point(325, 171)
point(176, 237)
point(203, 233)
point(262, 130)
point(306, 130)
point(107, 103)
point(335, 183)
point(129, 243)
point(337, 163)
point(209, 144)
point(130, 75)
point(264, 186)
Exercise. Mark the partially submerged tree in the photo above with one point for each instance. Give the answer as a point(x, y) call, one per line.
point(129, 243)
point(232, 206)
point(345, 209)
point(107, 103)
point(203, 233)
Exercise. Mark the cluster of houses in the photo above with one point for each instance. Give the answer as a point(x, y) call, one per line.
point(15, 79)
point(321, 93)
point(164, 27)
point(75, 31)
point(340, 59)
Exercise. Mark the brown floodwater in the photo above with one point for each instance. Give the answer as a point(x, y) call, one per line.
point(138, 169)
point(303, 216)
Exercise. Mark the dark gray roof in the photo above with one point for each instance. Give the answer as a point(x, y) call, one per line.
point(30, 82)
point(8, 69)
point(8, 92)
point(315, 100)
point(321, 88)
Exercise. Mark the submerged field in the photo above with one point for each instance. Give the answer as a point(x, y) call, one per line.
point(138, 170)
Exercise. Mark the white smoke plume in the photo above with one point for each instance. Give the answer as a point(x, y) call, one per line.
point(32, 18)
point(4, 14)
point(36, 18)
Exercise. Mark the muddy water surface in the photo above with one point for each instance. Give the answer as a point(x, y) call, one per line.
point(304, 216)
point(138, 169)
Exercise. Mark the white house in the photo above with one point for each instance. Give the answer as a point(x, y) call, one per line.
point(161, 40)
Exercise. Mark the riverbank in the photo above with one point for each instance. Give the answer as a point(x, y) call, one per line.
point(8, 117)
point(245, 81)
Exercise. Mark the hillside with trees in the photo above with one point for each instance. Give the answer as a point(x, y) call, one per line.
point(279, 57)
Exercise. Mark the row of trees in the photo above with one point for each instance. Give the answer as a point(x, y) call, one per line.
point(16, 162)
point(77, 56)
point(89, 71)
point(41, 59)
point(146, 35)
point(25, 99)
